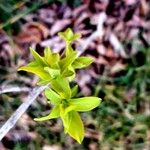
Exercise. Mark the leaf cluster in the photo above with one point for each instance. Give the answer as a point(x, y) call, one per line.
point(57, 71)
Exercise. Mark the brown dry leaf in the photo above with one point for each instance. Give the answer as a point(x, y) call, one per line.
point(144, 8)
point(110, 53)
point(93, 146)
point(25, 121)
point(117, 67)
point(33, 135)
point(101, 61)
point(119, 27)
point(57, 127)
point(92, 134)
point(32, 32)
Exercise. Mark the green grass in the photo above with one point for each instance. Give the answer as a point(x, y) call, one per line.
point(13, 10)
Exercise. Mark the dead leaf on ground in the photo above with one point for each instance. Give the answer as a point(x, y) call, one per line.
point(32, 32)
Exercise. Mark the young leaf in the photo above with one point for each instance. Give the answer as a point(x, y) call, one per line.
point(62, 87)
point(68, 60)
point(65, 120)
point(53, 72)
point(47, 53)
point(69, 36)
point(85, 103)
point(68, 50)
point(69, 108)
point(37, 57)
point(75, 127)
point(82, 62)
point(52, 96)
point(51, 58)
point(33, 67)
point(64, 117)
point(43, 82)
point(55, 113)
point(67, 73)
point(73, 76)
point(74, 91)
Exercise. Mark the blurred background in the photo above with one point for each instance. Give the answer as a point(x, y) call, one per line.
point(116, 33)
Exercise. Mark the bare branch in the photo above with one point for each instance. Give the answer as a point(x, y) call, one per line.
point(22, 108)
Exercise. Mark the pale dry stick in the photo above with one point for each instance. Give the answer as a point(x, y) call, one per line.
point(117, 45)
point(13, 89)
point(19, 112)
point(98, 33)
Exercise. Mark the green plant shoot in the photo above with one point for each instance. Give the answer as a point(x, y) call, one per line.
point(58, 71)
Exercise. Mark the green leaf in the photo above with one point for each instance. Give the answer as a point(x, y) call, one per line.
point(53, 72)
point(37, 57)
point(43, 82)
point(85, 103)
point(51, 58)
point(47, 53)
point(65, 117)
point(52, 96)
point(69, 36)
point(67, 61)
point(75, 126)
point(74, 91)
point(82, 62)
point(33, 67)
point(62, 87)
point(68, 50)
point(74, 74)
point(65, 120)
point(69, 108)
point(55, 60)
point(67, 73)
point(55, 113)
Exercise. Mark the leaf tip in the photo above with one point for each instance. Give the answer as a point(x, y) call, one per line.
point(20, 68)
point(80, 140)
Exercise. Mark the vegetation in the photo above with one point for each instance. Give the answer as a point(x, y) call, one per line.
point(56, 70)
point(122, 120)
